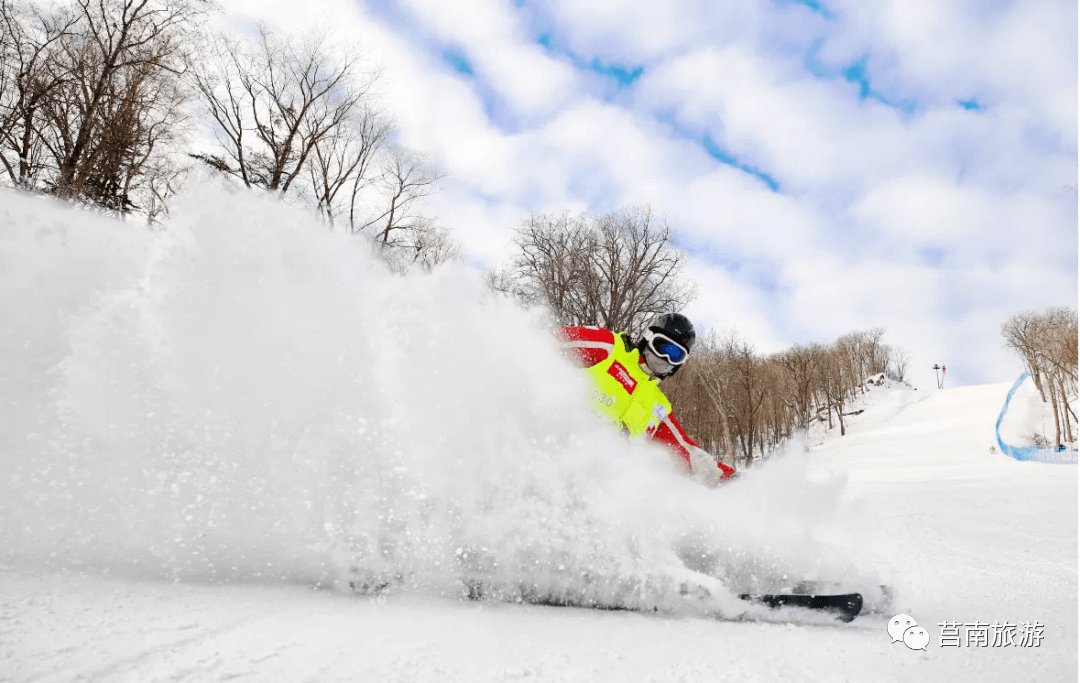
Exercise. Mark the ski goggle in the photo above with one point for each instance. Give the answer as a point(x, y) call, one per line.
point(665, 347)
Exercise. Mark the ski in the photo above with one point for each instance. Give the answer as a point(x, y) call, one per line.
point(876, 599)
point(845, 606)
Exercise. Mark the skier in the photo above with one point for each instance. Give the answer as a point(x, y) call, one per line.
point(626, 376)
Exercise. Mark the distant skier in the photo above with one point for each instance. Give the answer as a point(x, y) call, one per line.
point(626, 376)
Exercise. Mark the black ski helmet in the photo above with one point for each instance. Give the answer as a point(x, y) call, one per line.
point(676, 326)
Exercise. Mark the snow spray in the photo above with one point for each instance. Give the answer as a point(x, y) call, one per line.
point(245, 395)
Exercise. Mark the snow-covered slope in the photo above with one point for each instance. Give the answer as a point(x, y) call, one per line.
point(207, 432)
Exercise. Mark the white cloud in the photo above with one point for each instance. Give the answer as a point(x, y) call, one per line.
point(500, 51)
point(623, 29)
point(935, 210)
point(1020, 51)
point(725, 303)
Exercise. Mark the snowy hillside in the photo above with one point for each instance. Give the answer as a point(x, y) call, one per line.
point(1027, 422)
point(208, 433)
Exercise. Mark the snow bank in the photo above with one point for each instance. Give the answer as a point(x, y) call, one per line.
point(245, 396)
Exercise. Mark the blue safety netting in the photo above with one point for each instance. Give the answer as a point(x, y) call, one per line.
point(1032, 453)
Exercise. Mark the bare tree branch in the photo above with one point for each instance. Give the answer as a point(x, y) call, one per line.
point(276, 100)
point(616, 270)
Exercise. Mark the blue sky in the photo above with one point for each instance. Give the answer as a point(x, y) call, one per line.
point(828, 165)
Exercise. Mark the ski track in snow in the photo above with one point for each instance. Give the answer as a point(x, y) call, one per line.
point(207, 432)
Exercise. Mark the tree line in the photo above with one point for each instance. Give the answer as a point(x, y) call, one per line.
point(1047, 344)
point(740, 404)
point(108, 102)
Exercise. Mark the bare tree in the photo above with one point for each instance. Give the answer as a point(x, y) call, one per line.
point(292, 110)
point(638, 267)
point(777, 419)
point(615, 270)
point(425, 244)
point(1022, 334)
point(708, 364)
point(801, 364)
point(899, 363)
point(29, 37)
point(274, 101)
point(553, 266)
point(345, 162)
point(93, 99)
point(874, 351)
point(407, 177)
point(837, 380)
point(433, 245)
point(126, 98)
point(1047, 343)
point(850, 349)
point(750, 392)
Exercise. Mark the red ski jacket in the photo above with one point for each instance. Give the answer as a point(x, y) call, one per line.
point(592, 345)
